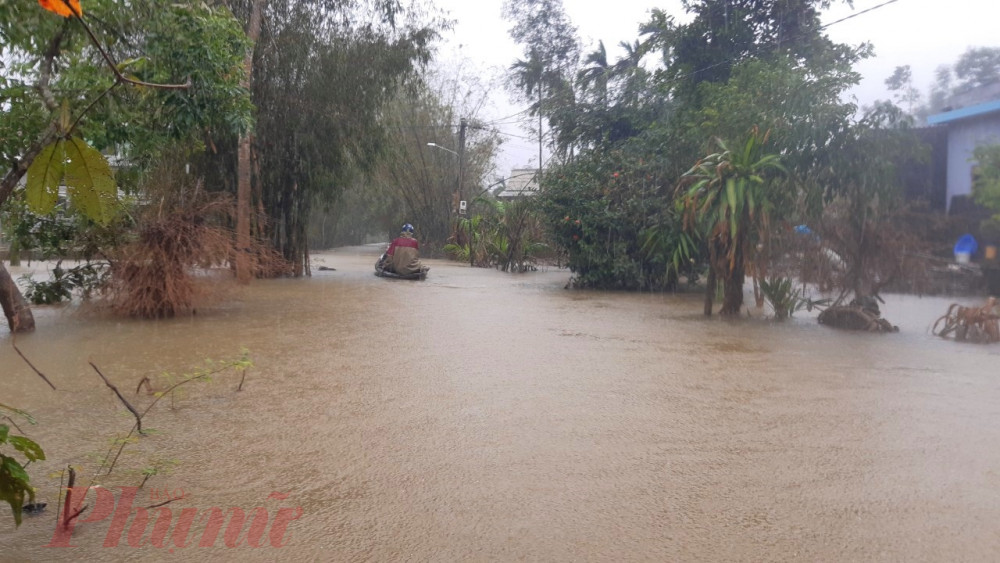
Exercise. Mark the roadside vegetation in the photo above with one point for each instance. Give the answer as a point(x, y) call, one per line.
point(725, 149)
point(132, 131)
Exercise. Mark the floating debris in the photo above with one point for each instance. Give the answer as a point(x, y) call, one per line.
point(34, 507)
point(970, 324)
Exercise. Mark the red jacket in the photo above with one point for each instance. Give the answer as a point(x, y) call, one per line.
point(404, 255)
point(405, 242)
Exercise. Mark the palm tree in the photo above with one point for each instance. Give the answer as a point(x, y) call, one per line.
point(628, 71)
point(730, 197)
point(596, 72)
point(528, 76)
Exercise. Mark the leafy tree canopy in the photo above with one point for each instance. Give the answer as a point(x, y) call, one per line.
point(158, 41)
point(323, 72)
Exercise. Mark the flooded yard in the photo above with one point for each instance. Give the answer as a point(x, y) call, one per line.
point(480, 415)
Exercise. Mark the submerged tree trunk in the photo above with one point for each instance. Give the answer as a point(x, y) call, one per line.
point(14, 253)
point(732, 275)
point(732, 301)
point(710, 286)
point(15, 307)
point(243, 164)
point(733, 271)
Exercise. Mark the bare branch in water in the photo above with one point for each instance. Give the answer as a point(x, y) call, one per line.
point(138, 417)
point(31, 365)
point(144, 381)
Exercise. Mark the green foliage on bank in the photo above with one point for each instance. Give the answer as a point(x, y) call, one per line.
point(623, 133)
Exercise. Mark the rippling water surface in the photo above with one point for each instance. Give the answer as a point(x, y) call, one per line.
point(480, 415)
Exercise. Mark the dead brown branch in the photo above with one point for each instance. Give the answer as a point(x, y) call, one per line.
point(168, 391)
point(11, 420)
point(144, 382)
point(69, 497)
point(31, 365)
point(75, 514)
point(135, 413)
point(168, 501)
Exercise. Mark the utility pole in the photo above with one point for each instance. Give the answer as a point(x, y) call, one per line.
point(461, 178)
point(539, 179)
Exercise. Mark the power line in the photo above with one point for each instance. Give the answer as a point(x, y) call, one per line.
point(455, 126)
point(498, 132)
point(872, 9)
point(499, 119)
point(509, 122)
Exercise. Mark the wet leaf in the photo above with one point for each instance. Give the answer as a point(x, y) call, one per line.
point(44, 177)
point(28, 447)
point(14, 486)
point(12, 467)
point(19, 412)
point(90, 181)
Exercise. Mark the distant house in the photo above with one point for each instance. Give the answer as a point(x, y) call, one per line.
point(968, 126)
point(523, 182)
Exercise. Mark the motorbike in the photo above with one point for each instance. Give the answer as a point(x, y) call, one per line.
point(382, 272)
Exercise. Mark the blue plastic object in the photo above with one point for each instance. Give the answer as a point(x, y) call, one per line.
point(966, 245)
point(803, 230)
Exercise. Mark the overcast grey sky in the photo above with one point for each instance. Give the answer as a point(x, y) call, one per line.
point(922, 33)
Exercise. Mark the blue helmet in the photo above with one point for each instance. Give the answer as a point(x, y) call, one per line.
point(407, 228)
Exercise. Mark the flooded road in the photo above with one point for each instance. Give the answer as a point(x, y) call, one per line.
point(479, 415)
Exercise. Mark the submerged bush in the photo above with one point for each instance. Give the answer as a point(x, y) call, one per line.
point(614, 216)
point(153, 276)
point(507, 235)
point(161, 272)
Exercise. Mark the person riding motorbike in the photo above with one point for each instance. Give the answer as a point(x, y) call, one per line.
point(403, 255)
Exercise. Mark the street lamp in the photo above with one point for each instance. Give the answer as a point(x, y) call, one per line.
point(442, 148)
point(461, 172)
point(458, 188)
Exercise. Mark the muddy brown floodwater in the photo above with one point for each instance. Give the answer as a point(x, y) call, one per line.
point(479, 415)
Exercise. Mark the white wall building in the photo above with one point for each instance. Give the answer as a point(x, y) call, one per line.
point(523, 182)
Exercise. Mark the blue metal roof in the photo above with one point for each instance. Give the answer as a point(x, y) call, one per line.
point(964, 113)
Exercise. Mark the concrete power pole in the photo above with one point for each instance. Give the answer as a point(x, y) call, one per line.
point(461, 179)
point(539, 179)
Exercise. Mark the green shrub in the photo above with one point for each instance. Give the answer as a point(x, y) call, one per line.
point(86, 277)
point(506, 235)
point(614, 216)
